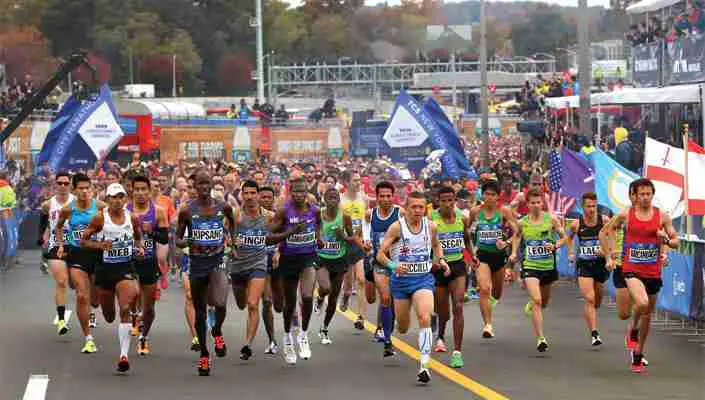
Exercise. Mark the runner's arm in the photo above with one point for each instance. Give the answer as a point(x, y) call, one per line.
point(671, 236)
point(137, 235)
point(58, 230)
point(184, 220)
point(570, 236)
point(95, 226)
point(511, 220)
point(608, 230)
point(390, 238)
point(558, 228)
point(349, 234)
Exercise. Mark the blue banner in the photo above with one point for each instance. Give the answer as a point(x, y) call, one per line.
point(11, 236)
point(677, 291)
point(611, 181)
point(3, 159)
point(449, 139)
point(4, 244)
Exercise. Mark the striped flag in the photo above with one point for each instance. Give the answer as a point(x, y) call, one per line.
point(558, 204)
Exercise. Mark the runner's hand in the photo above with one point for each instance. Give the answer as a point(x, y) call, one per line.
point(367, 246)
point(551, 247)
point(446, 268)
point(105, 244)
point(60, 251)
point(139, 251)
point(501, 244)
point(512, 258)
point(402, 269)
point(610, 263)
point(508, 275)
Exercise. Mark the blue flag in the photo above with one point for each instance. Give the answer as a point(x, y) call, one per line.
point(82, 133)
point(611, 181)
point(453, 144)
point(578, 177)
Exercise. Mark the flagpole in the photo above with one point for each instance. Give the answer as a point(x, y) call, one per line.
point(643, 163)
point(688, 218)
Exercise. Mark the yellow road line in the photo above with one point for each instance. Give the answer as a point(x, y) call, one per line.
point(437, 366)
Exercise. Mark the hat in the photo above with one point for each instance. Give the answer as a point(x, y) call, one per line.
point(115, 189)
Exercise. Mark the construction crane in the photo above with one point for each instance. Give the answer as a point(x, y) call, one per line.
point(77, 59)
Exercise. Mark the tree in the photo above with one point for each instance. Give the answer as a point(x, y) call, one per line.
point(543, 31)
point(284, 31)
point(327, 41)
point(25, 51)
point(68, 25)
point(235, 72)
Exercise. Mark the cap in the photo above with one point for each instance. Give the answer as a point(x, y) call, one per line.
point(115, 189)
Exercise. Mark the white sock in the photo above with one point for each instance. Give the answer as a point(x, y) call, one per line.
point(124, 335)
point(288, 339)
point(425, 339)
point(89, 337)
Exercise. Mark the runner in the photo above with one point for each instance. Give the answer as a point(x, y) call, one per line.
point(337, 235)
point(271, 298)
point(49, 217)
point(118, 230)
point(297, 264)
point(153, 223)
point(491, 244)
point(537, 230)
point(205, 219)
point(409, 243)
point(647, 228)
point(453, 233)
point(384, 215)
point(248, 266)
point(81, 262)
point(355, 207)
point(592, 272)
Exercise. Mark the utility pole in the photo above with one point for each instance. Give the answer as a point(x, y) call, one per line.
point(584, 70)
point(260, 51)
point(173, 75)
point(484, 120)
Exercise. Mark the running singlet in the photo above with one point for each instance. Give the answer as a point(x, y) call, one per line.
point(54, 211)
point(303, 242)
point(488, 231)
point(356, 209)
point(207, 235)
point(451, 235)
point(536, 239)
point(379, 226)
point(79, 220)
point(333, 247)
point(148, 219)
point(589, 241)
point(122, 237)
point(642, 245)
point(412, 251)
point(250, 249)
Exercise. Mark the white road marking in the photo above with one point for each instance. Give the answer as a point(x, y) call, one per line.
point(36, 387)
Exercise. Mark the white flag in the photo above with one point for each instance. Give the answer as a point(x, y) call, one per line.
point(696, 171)
point(665, 167)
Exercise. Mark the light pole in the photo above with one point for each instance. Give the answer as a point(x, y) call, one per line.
point(572, 53)
point(484, 120)
point(260, 51)
point(584, 69)
point(173, 75)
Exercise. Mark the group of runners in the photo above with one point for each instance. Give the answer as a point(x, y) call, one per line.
point(282, 249)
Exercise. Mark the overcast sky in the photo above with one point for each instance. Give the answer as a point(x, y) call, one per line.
point(604, 3)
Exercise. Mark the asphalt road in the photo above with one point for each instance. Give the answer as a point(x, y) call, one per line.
point(351, 368)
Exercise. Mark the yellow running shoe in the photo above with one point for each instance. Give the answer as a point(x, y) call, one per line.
point(62, 328)
point(89, 347)
point(143, 346)
point(529, 308)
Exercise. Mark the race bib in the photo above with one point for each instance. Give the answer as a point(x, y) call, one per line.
point(643, 253)
point(207, 237)
point(252, 240)
point(148, 248)
point(487, 234)
point(301, 239)
point(589, 250)
point(121, 252)
point(330, 246)
point(538, 250)
point(451, 242)
point(416, 268)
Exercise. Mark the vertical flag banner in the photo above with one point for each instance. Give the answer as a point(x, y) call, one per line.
point(578, 176)
point(559, 203)
point(82, 133)
point(696, 188)
point(453, 144)
point(665, 166)
point(611, 181)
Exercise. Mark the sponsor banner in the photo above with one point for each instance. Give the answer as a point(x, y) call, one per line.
point(685, 60)
point(646, 64)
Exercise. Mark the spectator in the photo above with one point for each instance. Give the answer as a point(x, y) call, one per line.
point(244, 112)
point(282, 115)
point(8, 199)
point(620, 133)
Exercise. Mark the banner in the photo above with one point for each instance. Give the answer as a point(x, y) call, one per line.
point(646, 64)
point(82, 133)
point(450, 138)
point(366, 139)
point(677, 291)
point(611, 69)
point(697, 304)
point(611, 181)
point(665, 166)
point(685, 60)
point(696, 189)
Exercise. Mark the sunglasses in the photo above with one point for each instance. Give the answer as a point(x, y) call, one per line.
point(63, 183)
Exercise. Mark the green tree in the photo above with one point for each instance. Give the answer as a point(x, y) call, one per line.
point(543, 31)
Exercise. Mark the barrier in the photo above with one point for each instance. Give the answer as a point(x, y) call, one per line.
point(8, 240)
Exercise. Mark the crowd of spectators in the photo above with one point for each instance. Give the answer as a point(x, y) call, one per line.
point(13, 98)
point(686, 19)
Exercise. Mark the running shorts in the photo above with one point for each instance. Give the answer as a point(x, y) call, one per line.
point(545, 277)
point(457, 269)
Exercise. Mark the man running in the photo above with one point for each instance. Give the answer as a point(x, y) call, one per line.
point(592, 271)
point(384, 215)
point(355, 206)
point(81, 262)
point(491, 245)
point(118, 231)
point(49, 217)
point(647, 229)
point(205, 219)
point(409, 243)
point(337, 235)
point(297, 264)
point(248, 264)
point(537, 230)
point(153, 223)
point(272, 296)
point(453, 234)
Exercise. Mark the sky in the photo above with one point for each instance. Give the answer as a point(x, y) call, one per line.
point(604, 3)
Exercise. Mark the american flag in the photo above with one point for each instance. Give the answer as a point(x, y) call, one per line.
point(558, 204)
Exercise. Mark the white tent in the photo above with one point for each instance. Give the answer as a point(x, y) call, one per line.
point(680, 94)
point(645, 6)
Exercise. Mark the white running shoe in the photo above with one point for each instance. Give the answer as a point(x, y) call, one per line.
point(323, 335)
point(272, 348)
point(424, 375)
point(304, 348)
point(289, 352)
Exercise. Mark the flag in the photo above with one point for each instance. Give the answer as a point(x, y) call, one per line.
point(450, 137)
point(558, 202)
point(665, 167)
point(696, 188)
point(578, 177)
point(611, 181)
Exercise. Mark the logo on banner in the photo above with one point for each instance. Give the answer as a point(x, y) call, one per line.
point(101, 130)
point(679, 287)
point(405, 130)
point(618, 189)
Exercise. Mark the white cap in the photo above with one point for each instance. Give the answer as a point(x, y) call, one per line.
point(115, 189)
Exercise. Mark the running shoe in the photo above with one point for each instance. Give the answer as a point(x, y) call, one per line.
point(541, 344)
point(379, 335)
point(89, 347)
point(245, 352)
point(61, 327)
point(317, 302)
point(304, 348)
point(637, 366)
point(92, 321)
point(221, 350)
point(631, 340)
point(424, 375)
point(596, 339)
point(360, 323)
point(473, 295)
point(143, 346)
point(389, 350)
point(456, 359)
point(289, 353)
point(204, 366)
point(195, 346)
point(488, 332)
point(323, 335)
point(493, 302)
point(344, 305)
point(643, 358)
point(135, 331)
point(440, 346)
point(272, 348)
point(529, 308)
point(123, 365)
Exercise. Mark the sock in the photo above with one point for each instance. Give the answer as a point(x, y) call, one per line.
point(124, 335)
point(89, 337)
point(288, 339)
point(387, 322)
point(434, 324)
point(425, 339)
point(60, 312)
